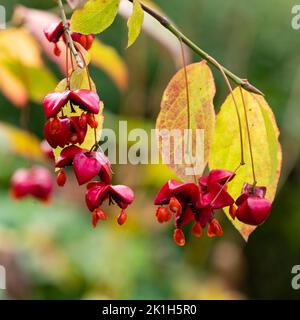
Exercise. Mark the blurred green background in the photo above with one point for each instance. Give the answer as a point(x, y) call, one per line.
point(51, 252)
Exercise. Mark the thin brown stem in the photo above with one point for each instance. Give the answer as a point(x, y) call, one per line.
point(95, 136)
point(188, 107)
point(173, 29)
point(67, 67)
point(242, 162)
point(186, 86)
point(87, 71)
point(69, 39)
point(91, 88)
point(249, 138)
point(72, 62)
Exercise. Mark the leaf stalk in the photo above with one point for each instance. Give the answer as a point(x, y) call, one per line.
point(244, 83)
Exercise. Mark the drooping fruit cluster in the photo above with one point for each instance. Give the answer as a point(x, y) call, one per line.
point(253, 208)
point(67, 129)
point(36, 182)
point(88, 165)
point(62, 130)
point(191, 202)
point(55, 31)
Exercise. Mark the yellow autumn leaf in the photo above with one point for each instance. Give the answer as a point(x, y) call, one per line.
point(106, 58)
point(22, 67)
point(16, 44)
point(20, 45)
point(135, 22)
point(19, 142)
point(174, 115)
point(13, 88)
point(225, 151)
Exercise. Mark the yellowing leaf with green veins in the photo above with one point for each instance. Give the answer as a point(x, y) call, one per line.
point(79, 80)
point(225, 151)
point(135, 22)
point(174, 115)
point(107, 58)
point(20, 142)
point(95, 16)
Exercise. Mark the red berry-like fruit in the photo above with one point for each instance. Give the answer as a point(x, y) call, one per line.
point(232, 211)
point(214, 228)
point(179, 237)
point(36, 181)
point(61, 178)
point(163, 215)
point(56, 50)
point(197, 230)
point(253, 207)
point(122, 218)
point(86, 40)
point(254, 211)
point(98, 214)
point(175, 205)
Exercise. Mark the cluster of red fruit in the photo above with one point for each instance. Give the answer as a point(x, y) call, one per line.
point(36, 182)
point(55, 31)
point(68, 133)
point(186, 202)
point(189, 202)
point(88, 165)
point(62, 130)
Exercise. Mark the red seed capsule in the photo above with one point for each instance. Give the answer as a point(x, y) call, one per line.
point(232, 211)
point(179, 237)
point(122, 217)
point(85, 40)
point(101, 214)
point(89, 41)
point(61, 178)
point(98, 214)
point(214, 228)
point(56, 50)
point(197, 230)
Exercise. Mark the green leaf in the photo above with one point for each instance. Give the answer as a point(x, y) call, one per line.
point(135, 22)
point(225, 151)
point(174, 115)
point(95, 16)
